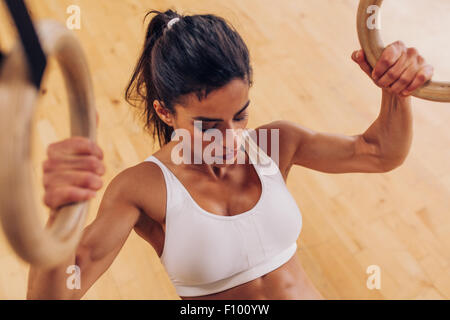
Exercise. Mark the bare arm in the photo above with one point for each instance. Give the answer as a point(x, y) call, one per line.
point(100, 244)
point(382, 147)
point(386, 143)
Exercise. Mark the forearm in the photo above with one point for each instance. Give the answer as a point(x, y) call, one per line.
point(392, 131)
point(50, 283)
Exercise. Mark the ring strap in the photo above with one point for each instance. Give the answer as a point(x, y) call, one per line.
point(36, 58)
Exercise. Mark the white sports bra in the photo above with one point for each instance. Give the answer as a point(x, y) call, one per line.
point(206, 253)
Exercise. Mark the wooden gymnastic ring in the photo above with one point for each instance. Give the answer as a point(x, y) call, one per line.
point(373, 46)
point(40, 246)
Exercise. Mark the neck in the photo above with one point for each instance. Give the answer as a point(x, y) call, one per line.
point(218, 171)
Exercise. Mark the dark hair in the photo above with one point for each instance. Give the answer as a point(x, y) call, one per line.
point(198, 54)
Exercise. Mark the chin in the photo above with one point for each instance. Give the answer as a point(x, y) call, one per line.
point(224, 164)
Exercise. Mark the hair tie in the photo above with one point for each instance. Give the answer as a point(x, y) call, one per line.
point(172, 22)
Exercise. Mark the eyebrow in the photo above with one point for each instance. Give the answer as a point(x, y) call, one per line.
point(215, 119)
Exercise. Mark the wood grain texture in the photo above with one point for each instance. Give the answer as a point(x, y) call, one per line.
point(300, 51)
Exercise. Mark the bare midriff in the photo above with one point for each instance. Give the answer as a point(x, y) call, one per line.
point(288, 282)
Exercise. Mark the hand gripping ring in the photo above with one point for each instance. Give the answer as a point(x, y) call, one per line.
point(371, 43)
point(18, 211)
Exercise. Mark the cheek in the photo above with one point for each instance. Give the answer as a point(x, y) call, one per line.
point(197, 139)
point(243, 124)
point(197, 134)
point(226, 141)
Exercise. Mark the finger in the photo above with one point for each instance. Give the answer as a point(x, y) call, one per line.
point(58, 197)
point(75, 146)
point(394, 73)
point(97, 118)
point(425, 74)
point(405, 79)
point(82, 179)
point(360, 58)
point(83, 146)
point(69, 162)
point(388, 58)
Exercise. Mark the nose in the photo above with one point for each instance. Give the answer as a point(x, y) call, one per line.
point(232, 140)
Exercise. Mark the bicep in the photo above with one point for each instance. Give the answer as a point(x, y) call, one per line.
point(328, 152)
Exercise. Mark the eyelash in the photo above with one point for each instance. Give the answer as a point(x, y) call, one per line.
point(239, 119)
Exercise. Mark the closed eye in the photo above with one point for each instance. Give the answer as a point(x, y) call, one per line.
point(242, 118)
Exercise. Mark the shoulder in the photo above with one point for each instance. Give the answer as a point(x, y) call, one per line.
point(131, 179)
point(143, 185)
point(281, 138)
point(286, 129)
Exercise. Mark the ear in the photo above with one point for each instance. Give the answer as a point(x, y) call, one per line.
point(164, 114)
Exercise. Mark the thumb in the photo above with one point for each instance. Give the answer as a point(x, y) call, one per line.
point(360, 58)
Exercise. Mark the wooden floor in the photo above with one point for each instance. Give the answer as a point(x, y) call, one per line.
point(300, 49)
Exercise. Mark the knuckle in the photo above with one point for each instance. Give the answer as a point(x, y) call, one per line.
point(92, 181)
point(412, 51)
point(53, 165)
point(420, 59)
point(50, 199)
point(92, 145)
point(47, 165)
point(421, 77)
point(81, 144)
point(386, 61)
point(51, 150)
point(391, 74)
point(92, 163)
point(403, 80)
point(46, 180)
point(399, 43)
point(68, 194)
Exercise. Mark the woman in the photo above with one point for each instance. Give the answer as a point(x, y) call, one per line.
point(222, 230)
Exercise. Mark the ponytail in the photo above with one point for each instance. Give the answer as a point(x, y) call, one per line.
point(197, 54)
point(141, 88)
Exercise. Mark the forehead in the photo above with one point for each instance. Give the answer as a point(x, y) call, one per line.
point(226, 100)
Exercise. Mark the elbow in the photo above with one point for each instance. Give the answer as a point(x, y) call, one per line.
point(388, 165)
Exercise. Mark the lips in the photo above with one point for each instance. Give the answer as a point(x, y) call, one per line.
point(231, 154)
point(228, 154)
